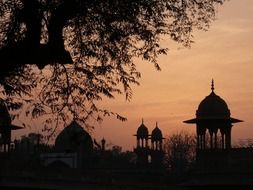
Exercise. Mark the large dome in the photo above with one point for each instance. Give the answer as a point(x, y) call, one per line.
point(73, 138)
point(213, 106)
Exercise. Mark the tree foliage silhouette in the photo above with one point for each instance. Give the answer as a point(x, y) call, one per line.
point(180, 151)
point(78, 51)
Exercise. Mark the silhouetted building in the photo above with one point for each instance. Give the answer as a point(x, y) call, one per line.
point(73, 148)
point(214, 152)
point(145, 153)
point(157, 153)
point(5, 128)
point(142, 148)
point(213, 117)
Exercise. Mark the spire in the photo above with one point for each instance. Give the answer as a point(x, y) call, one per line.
point(212, 85)
point(142, 121)
point(156, 124)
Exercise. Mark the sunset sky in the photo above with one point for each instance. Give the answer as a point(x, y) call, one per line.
point(170, 96)
point(224, 53)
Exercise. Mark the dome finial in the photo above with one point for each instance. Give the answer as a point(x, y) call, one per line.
point(212, 85)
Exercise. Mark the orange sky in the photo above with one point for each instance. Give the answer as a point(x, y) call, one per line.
point(224, 53)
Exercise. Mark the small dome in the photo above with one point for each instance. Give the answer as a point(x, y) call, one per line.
point(213, 107)
point(5, 118)
point(156, 134)
point(72, 138)
point(142, 131)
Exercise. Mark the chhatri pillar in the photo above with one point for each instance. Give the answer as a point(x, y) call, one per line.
point(213, 123)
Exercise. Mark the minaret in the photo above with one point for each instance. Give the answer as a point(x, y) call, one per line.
point(142, 147)
point(157, 153)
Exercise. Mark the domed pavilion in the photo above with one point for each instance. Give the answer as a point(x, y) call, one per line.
point(213, 116)
point(6, 127)
point(156, 152)
point(156, 138)
point(145, 153)
point(142, 149)
point(142, 135)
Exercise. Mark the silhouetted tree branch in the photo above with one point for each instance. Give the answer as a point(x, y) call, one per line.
point(84, 49)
